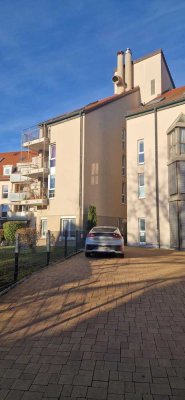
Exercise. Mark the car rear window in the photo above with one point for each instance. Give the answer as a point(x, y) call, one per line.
point(104, 230)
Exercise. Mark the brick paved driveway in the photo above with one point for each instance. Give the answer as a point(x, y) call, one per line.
point(97, 329)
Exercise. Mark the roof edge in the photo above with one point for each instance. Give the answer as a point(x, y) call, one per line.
point(151, 110)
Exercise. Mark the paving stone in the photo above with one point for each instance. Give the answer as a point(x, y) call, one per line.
point(15, 395)
point(21, 384)
point(116, 387)
point(53, 390)
point(32, 396)
point(97, 393)
point(79, 391)
point(161, 389)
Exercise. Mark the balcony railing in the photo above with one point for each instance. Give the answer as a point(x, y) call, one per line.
point(34, 136)
point(19, 216)
point(30, 197)
point(18, 178)
point(17, 196)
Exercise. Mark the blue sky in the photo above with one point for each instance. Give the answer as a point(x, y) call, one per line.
point(58, 55)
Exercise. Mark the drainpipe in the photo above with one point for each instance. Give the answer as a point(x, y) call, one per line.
point(157, 178)
point(81, 175)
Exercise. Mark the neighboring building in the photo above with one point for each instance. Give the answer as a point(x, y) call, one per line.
point(8, 166)
point(156, 172)
point(81, 156)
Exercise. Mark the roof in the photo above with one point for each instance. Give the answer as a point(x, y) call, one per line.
point(12, 158)
point(167, 98)
point(90, 107)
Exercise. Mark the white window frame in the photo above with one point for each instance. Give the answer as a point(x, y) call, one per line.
point(141, 188)
point(4, 192)
point(52, 158)
point(51, 191)
point(181, 141)
point(142, 232)
point(44, 233)
point(140, 153)
point(62, 231)
point(7, 170)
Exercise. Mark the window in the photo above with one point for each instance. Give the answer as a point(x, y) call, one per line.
point(4, 210)
point(7, 170)
point(172, 144)
point(43, 227)
point(52, 186)
point(152, 86)
point(141, 155)
point(4, 191)
point(123, 138)
point(141, 186)
point(123, 193)
point(182, 140)
point(52, 155)
point(94, 173)
point(123, 165)
point(142, 231)
point(69, 225)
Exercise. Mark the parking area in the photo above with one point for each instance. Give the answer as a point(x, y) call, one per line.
point(98, 328)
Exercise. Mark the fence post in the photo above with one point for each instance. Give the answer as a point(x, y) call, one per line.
point(16, 266)
point(65, 244)
point(76, 241)
point(48, 246)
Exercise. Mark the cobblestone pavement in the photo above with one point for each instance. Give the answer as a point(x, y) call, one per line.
point(97, 328)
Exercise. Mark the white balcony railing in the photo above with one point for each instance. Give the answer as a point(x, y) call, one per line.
point(18, 178)
point(17, 196)
point(19, 216)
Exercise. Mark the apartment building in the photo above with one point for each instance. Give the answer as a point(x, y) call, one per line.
point(9, 162)
point(156, 172)
point(81, 156)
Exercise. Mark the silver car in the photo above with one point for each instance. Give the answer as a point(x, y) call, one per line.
point(104, 239)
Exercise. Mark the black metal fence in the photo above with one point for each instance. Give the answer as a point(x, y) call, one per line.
point(24, 257)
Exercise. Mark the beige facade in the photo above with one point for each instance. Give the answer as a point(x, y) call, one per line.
point(154, 207)
point(81, 156)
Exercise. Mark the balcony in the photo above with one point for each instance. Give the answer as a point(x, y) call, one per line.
point(36, 139)
point(37, 168)
point(29, 198)
point(19, 216)
point(17, 197)
point(19, 178)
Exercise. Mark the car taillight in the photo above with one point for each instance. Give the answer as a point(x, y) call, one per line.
point(90, 235)
point(116, 235)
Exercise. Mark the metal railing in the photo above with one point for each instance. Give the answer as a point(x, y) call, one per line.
point(27, 255)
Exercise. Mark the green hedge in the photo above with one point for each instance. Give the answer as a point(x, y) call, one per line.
point(10, 229)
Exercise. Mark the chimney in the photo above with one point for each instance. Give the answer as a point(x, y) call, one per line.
point(128, 70)
point(118, 78)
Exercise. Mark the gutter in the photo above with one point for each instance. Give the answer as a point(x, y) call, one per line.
point(157, 177)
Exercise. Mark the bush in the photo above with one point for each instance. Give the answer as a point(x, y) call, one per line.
point(1, 235)
point(10, 229)
point(27, 237)
point(91, 217)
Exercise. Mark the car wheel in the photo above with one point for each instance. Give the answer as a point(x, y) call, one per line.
point(87, 254)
